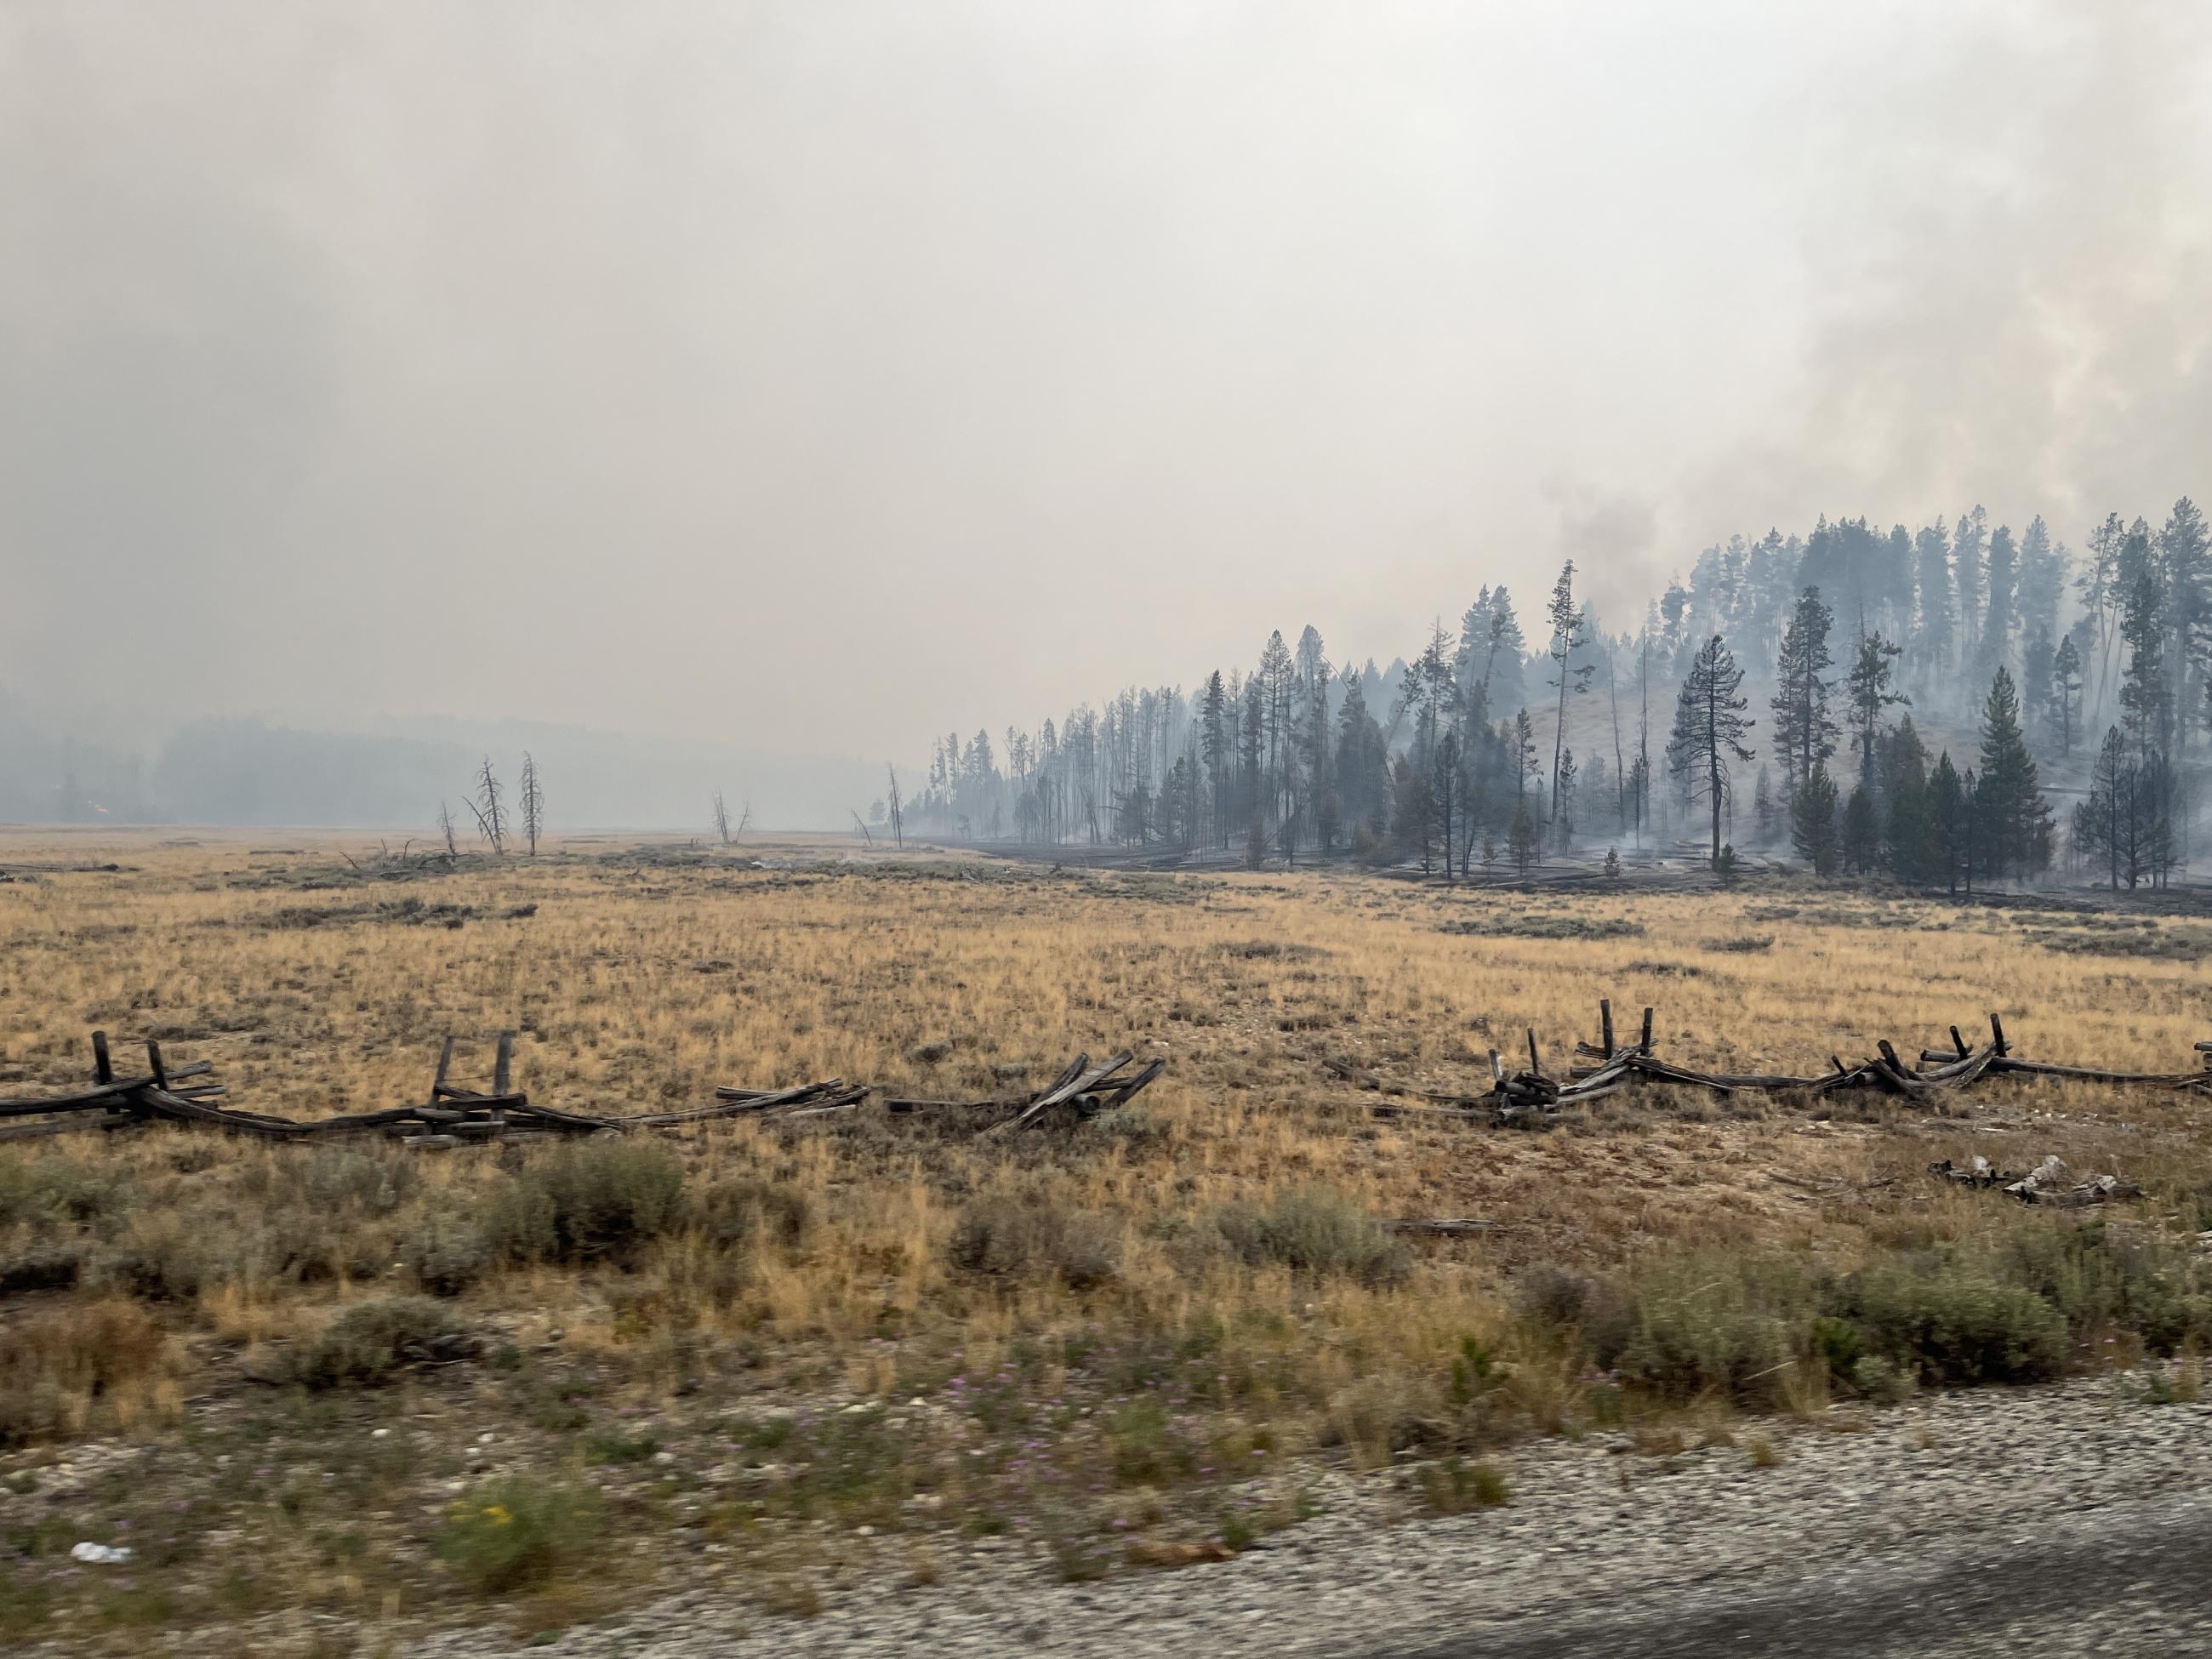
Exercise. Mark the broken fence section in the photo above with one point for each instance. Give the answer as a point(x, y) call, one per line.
point(451, 1115)
point(1607, 1066)
point(1085, 1089)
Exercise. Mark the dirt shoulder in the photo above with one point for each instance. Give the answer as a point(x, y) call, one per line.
point(1918, 1529)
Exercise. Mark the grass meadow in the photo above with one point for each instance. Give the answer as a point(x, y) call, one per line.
point(329, 1393)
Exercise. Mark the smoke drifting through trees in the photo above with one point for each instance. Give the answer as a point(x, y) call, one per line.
point(1962, 636)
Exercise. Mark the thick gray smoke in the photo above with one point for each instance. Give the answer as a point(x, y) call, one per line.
point(2010, 268)
point(812, 379)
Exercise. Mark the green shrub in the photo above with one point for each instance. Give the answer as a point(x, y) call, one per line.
point(1455, 1487)
point(56, 1191)
point(1315, 1230)
point(446, 1255)
point(516, 1532)
point(1027, 1236)
point(336, 1180)
point(604, 1201)
point(370, 1340)
point(1705, 1325)
point(746, 1210)
point(1959, 1327)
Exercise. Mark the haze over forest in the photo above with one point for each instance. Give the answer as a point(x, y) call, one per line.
point(741, 396)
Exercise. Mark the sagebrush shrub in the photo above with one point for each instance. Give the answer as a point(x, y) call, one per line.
point(371, 1340)
point(1027, 1236)
point(1316, 1231)
point(604, 1201)
point(518, 1532)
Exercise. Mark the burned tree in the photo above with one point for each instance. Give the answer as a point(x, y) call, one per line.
point(722, 818)
point(446, 829)
point(489, 807)
point(898, 825)
point(1709, 728)
point(533, 803)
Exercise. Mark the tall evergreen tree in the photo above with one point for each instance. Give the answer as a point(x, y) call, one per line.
point(1969, 538)
point(1709, 729)
point(1570, 626)
point(1908, 830)
point(2042, 580)
point(1813, 821)
point(1871, 695)
point(1804, 736)
point(1952, 797)
point(2146, 700)
point(1995, 648)
point(1936, 619)
point(2185, 565)
point(2065, 691)
point(2014, 818)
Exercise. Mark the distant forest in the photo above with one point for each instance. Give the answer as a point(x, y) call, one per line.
point(1864, 701)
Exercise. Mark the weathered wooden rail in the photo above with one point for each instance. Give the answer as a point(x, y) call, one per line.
point(1524, 1096)
point(453, 1115)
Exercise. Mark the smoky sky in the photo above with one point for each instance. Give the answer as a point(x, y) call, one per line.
point(825, 374)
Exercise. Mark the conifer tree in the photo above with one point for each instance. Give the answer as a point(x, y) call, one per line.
point(1861, 846)
point(1804, 736)
point(1521, 839)
point(1709, 729)
point(1908, 832)
point(2065, 690)
point(1813, 821)
point(1871, 694)
point(1952, 797)
point(1570, 626)
point(2014, 820)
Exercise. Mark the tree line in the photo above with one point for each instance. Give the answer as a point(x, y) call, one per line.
point(1833, 676)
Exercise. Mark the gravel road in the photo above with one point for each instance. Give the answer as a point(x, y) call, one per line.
point(2068, 1519)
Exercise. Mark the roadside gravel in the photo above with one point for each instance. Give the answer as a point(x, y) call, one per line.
point(1879, 1516)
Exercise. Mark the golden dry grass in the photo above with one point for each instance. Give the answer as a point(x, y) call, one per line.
point(640, 982)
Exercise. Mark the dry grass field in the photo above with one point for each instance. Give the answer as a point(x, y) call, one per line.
point(776, 1354)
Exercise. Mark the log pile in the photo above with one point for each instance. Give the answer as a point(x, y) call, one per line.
point(2047, 1183)
point(1605, 1066)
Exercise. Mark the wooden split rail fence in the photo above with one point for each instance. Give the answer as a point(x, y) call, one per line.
point(456, 1115)
point(1605, 1066)
point(451, 1115)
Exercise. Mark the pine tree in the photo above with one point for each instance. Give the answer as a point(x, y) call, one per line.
point(2146, 706)
point(2184, 564)
point(1938, 603)
point(1953, 816)
point(1862, 833)
point(1993, 648)
point(1521, 839)
point(1968, 538)
point(1813, 821)
point(1908, 833)
point(2042, 580)
point(1563, 802)
point(2013, 818)
point(1762, 808)
point(1570, 626)
point(1804, 736)
point(1709, 729)
point(1871, 694)
point(2065, 691)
